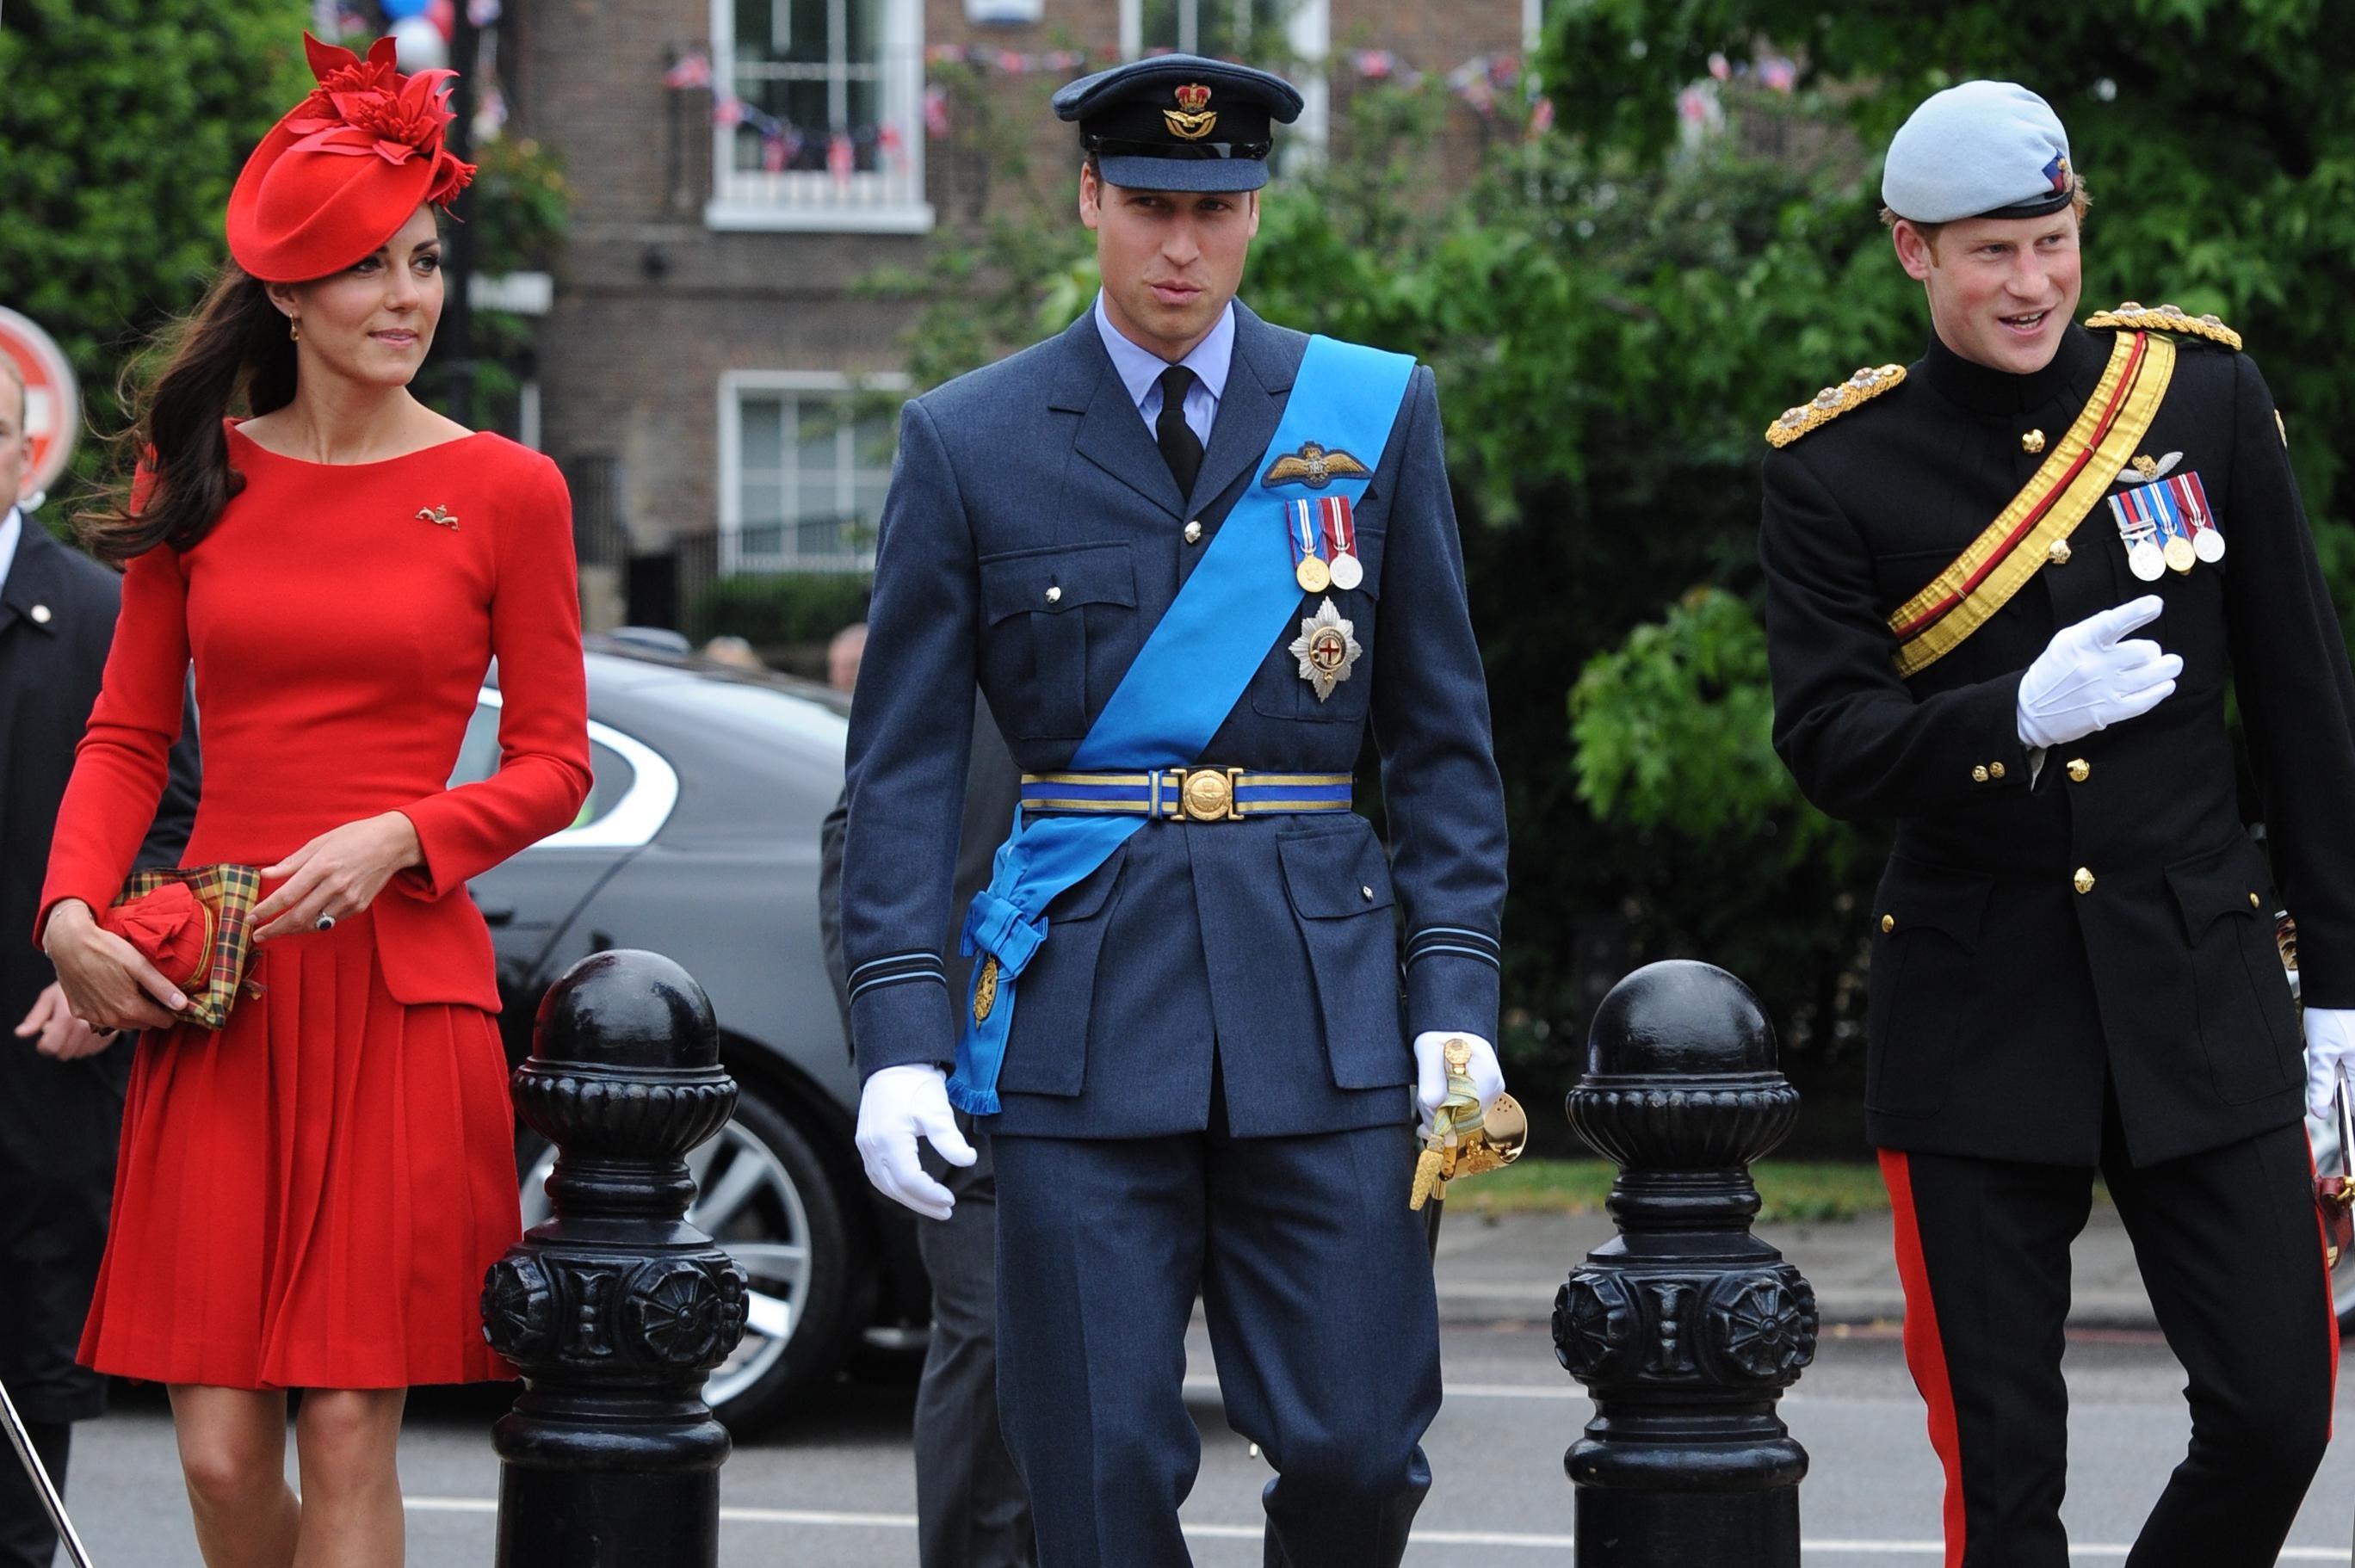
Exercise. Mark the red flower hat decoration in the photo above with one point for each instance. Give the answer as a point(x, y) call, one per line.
point(347, 166)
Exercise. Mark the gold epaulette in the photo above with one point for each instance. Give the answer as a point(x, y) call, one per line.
point(2166, 318)
point(1833, 401)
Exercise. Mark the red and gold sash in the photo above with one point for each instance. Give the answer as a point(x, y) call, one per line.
point(2066, 487)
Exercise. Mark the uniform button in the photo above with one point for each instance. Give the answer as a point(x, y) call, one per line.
point(2058, 553)
point(1369, 894)
point(1194, 531)
point(2032, 443)
point(40, 614)
point(1888, 923)
point(2080, 770)
point(1054, 596)
point(2253, 904)
point(2083, 881)
point(1979, 774)
point(1995, 770)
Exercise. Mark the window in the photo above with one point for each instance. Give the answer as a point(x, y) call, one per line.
point(1251, 28)
point(805, 462)
point(1291, 35)
point(820, 122)
point(630, 798)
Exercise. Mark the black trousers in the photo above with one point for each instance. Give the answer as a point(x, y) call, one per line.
point(2231, 1252)
point(1317, 1288)
point(971, 1509)
point(28, 1539)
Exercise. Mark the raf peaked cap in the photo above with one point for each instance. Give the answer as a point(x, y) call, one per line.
point(1985, 149)
point(1180, 121)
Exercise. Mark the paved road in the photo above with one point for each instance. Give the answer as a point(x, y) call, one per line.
point(838, 1489)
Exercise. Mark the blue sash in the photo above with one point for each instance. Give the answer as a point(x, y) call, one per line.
point(1186, 678)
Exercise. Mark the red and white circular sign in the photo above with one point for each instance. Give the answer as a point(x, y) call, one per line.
point(52, 402)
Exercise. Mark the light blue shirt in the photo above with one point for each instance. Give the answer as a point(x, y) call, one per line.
point(1140, 370)
point(11, 528)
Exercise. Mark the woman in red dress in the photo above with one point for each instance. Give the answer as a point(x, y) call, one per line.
point(309, 1196)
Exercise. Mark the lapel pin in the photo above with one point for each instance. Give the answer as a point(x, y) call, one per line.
point(40, 614)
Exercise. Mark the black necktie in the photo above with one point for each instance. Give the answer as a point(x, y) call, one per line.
point(1180, 448)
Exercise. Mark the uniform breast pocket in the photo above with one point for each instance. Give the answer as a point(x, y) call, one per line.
point(2248, 1025)
point(1922, 960)
point(1339, 884)
point(1055, 621)
point(1340, 646)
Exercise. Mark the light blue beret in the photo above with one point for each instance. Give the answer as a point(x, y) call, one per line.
point(1985, 149)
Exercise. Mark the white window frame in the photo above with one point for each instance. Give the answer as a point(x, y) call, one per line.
point(734, 387)
point(1309, 29)
point(808, 200)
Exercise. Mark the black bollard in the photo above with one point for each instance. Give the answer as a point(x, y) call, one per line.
point(617, 1309)
point(1686, 1329)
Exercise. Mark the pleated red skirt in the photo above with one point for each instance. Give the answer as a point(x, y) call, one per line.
point(309, 1198)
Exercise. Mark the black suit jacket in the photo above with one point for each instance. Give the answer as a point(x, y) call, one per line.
point(2001, 996)
point(57, 623)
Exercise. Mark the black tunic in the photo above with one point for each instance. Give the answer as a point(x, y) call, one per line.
point(2001, 996)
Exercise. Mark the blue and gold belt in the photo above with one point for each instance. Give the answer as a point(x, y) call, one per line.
point(1190, 795)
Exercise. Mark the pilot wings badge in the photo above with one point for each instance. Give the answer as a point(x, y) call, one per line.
point(1191, 121)
point(1313, 467)
point(1326, 649)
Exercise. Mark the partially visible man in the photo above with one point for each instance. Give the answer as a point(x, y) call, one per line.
point(843, 653)
point(60, 1085)
point(971, 1509)
point(2008, 591)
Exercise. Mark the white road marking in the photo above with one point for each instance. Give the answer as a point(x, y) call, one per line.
point(831, 1518)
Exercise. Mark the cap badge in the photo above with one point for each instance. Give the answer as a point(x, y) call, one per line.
point(440, 517)
point(2057, 171)
point(1313, 467)
point(1191, 121)
point(1326, 648)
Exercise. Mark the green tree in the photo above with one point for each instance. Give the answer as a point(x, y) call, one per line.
point(1617, 308)
point(122, 125)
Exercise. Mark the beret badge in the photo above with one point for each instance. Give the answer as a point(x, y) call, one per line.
point(1191, 120)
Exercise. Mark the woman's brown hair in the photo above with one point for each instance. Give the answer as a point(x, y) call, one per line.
point(170, 466)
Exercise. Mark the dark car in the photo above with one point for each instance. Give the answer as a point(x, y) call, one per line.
point(700, 841)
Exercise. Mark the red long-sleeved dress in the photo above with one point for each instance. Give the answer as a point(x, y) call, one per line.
point(309, 1198)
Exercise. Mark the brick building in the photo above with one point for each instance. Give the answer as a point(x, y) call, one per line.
point(740, 165)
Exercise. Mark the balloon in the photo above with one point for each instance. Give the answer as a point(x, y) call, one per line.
point(444, 17)
point(419, 45)
point(401, 10)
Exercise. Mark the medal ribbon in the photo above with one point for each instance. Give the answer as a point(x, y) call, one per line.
point(1307, 539)
point(1340, 527)
point(1186, 679)
point(2066, 486)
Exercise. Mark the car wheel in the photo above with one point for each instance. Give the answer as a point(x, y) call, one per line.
point(762, 1193)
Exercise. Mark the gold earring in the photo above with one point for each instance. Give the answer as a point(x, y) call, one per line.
point(294, 329)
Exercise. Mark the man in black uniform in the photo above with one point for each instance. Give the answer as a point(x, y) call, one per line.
point(2005, 585)
point(60, 1085)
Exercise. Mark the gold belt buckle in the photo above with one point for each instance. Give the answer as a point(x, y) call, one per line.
point(1208, 795)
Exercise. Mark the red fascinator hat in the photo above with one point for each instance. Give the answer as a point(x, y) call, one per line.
point(345, 169)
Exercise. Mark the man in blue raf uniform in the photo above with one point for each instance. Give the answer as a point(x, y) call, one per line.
point(1188, 557)
point(2004, 587)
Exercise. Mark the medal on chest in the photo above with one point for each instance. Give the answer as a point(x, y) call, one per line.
point(1324, 544)
point(1326, 648)
point(2166, 524)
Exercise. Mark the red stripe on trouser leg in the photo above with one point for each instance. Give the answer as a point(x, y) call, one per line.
point(1925, 1355)
point(2329, 1299)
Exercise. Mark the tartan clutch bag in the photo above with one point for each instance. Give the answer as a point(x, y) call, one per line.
point(195, 925)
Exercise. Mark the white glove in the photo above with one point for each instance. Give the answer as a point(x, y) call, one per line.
point(897, 1104)
point(2088, 680)
point(2329, 1042)
point(1430, 1073)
